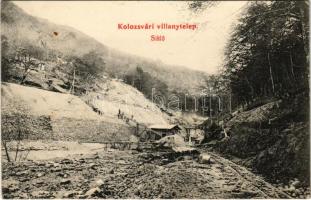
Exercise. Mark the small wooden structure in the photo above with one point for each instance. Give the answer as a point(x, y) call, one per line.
point(156, 132)
point(193, 135)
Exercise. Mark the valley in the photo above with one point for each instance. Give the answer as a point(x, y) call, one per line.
point(81, 120)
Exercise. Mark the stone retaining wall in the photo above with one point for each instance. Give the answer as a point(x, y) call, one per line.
point(69, 129)
point(86, 130)
point(29, 127)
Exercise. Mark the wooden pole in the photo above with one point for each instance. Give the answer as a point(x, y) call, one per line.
point(271, 75)
point(6, 151)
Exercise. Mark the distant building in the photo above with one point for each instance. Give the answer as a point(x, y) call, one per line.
point(155, 132)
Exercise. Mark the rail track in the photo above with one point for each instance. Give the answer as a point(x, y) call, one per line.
point(257, 183)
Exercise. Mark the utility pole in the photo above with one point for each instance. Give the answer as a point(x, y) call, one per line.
point(210, 105)
point(72, 88)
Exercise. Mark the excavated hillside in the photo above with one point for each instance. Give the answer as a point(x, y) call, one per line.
point(45, 114)
point(116, 95)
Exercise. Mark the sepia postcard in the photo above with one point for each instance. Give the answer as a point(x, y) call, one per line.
point(155, 99)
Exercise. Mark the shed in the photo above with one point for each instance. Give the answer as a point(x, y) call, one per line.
point(158, 131)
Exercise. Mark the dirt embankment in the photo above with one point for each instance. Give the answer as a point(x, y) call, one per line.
point(272, 139)
point(41, 114)
point(116, 96)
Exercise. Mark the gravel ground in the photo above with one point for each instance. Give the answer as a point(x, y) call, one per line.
point(130, 174)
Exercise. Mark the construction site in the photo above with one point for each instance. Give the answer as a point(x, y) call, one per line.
point(83, 120)
point(121, 158)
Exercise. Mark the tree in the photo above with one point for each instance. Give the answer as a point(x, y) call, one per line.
point(25, 58)
point(87, 68)
point(14, 128)
point(25, 61)
point(144, 82)
point(268, 51)
point(91, 63)
point(5, 59)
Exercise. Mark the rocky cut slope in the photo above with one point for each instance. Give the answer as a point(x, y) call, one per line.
point(273, 139)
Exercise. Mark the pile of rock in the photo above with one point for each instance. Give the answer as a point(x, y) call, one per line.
point(295, 189)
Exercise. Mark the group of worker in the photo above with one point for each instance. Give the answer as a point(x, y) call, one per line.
point(121, 115)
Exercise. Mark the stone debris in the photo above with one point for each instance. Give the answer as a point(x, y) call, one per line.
point(65, 181)
point(93, 192)
point(120, 174)
point(41, 194)
point(9, 186)
point(70, 194)
point(205, 158)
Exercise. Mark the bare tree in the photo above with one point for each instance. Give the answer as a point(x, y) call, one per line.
point(14, 128)
point(24, 59)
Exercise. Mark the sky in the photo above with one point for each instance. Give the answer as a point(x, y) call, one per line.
point(200, 49)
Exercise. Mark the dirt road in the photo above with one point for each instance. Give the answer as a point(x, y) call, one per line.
point(129, 174)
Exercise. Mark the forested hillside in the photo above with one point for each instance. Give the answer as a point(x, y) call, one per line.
point(39, 39)
point(266, 72)
point(268, 53)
